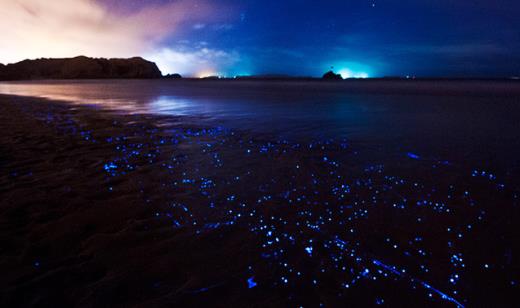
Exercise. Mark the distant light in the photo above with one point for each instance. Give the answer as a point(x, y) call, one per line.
point(347, 73)
point(205, 74)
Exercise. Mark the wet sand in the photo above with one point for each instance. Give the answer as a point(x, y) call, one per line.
point(101, 209)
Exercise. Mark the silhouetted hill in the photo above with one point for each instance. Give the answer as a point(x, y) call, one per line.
point(330, 75)
point(173, 76)
point(80, 68)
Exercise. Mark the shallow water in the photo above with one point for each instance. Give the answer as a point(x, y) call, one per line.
point(451, 120)
point(288, 193)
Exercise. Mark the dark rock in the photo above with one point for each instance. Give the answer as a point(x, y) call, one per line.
point(80, 68)
point(330, 75)
point(173, 76)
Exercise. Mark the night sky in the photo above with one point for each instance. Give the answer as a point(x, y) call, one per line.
point(298, 37)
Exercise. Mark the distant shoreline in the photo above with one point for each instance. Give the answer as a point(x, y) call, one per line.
point(86, 68)
point(260, 79)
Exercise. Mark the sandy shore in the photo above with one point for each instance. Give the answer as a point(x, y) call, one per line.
point(74, 235)
point(100, 209)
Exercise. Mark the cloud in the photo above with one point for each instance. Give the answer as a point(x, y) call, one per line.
point(223, 27)
point(199, 61)
point(66, 28)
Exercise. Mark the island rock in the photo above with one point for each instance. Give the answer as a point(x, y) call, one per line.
point(80, 68)
point(173, 76)
point(330, 75)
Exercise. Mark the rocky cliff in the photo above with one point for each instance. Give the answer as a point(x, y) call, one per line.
point(80, 68)
point(330, 75)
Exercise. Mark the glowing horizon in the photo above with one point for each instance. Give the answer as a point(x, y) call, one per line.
point(62, 29)
point(191, 36)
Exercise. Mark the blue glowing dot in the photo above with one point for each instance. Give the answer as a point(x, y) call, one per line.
point(251, 283)
point(110, 166)
point(413, 156)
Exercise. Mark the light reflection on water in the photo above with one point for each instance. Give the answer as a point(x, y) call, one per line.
point(448, 120)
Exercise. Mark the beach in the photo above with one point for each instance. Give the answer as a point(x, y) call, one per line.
point(198, 153)
point(103, 208)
